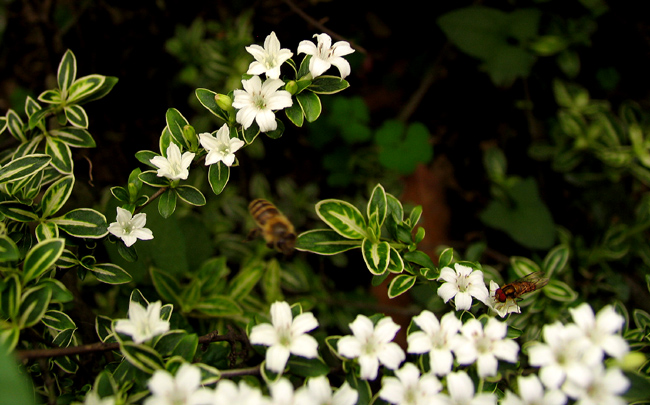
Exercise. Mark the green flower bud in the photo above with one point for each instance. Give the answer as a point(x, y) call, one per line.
point(292, 87)
point(224, 102)
point(189, 133)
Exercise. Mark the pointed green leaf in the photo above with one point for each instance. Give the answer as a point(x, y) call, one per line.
point(33, 305)
point(110, 273)
point(151, 178)
point(142, 357)
point(342, 217)
point(219, 306)
point(207, 98)
point(176, 122)
point(18, 212)
point(67, 72)
point(23, 167)
point(74, 137)
point(56, 195)
point(310, 104)
point(52, 96)
point(60, 153)
point(559, 291)
point(105, 385)
point(420, 258)
point(85, 87)
point(104, 328)
point(186, 347)
point(58, 321)
point(396, 264)
point(377, 205)
point(325, 242)
point(60, 294)
point(555, 260)
point(523, 266)
point(305, 367)
point(271, 282)
point(167, 203)
point(10, 298)
point(328, 85)
point(445, 259)
point(401, 284)
point(16, 126)
point(276, 133)
point(42, 258)
point(31, 106)
point(218, 175)
point(245, 280)
point(295, 114)
point(37, 117)
point(8, 249)
point(104, 89)
point(83, 223)
point(46, 230)
point(76, 115)
point(190, 195)
point(376, 256)
point(166, 285)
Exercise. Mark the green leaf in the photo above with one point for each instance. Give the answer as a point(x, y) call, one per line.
point(10, 297)
point(176, 122)
point(18, 212)
point(166, 285)
point(84, 87)
point(52, 96)
point(145, 156)
point(377, 205)
point(278, 131)
point(245, 280)
point(76, 115)
point(207, 98)
point(559, 291)
point(42, 258)
point(527, 219)
point(342, 217)
point(56, 195)
point(151, 178)
point(295, 114)
point(16, 126)
point(420, 258)
point(219, 306)
point(218, 175)
point(190, 195)
point(396, 264)
point(187, 346)
point(58, 321)
point(328, 85)
point(325, 242)
point(33, 305)
point(105, 385)
point(641, 319)
point(555, 260)
point(83, 223)
point(15, 384)
point(271, 282)
point(46, 230)
point(446, 257)
point(74, 137)
point(38, 117)
point(110, 273)
point(60, 153)
point(60, 294)
point(376, 256)
point(523, 266)
point(23, 167)
point(310, 105)
point(67, 71)
point(167, 203)
point(142, 357)
point(304, 367)
point(8, 249)
point(104, 89)
point(104, 328)
point(401, 284)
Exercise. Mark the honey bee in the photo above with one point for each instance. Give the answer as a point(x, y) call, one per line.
point(517, 288)
point(273, 225)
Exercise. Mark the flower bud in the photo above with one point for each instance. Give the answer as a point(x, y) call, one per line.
point(189, 133)
point(224, 102)
point(291, 87)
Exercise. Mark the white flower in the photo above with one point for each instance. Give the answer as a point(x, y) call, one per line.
point(92, 398)
point(282, 393)
point(372, 345)
point(605, 388)
point(601, 331)
point(221, 148)
point(489, 344)
point(227, 392)
point(285, 336)
point(408, 388)
point(268, 59)
point(462, 283)
point(317, 391)
point(461, 392)
point(561, 357)
point(531, 392)
point(501, 308)
point(438, 339)
point(143, 324)
point(174, 166)
point(130, 228)
point(325, 55)
point(180, 390)
point(258, 101)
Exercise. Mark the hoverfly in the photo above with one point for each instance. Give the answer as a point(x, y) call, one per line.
point(517, 288)
point(277, 230)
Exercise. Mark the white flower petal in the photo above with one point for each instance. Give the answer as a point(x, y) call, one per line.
point(276, 358)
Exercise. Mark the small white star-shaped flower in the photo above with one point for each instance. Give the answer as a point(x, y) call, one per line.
point(285, 336)
point(268, 59)
point(258, 101)
point(461, 391)
point(130, 228)
point(438, 338)
point(324, 55)
point(184, 388)
point(601, 331)
point(372, 345)
point(531, 392)
point(501, 308)
point(409, 388)
point(463, 283)
point(228, 392)
point(221, 148)
point(143, 324)
point(317, 391)
point(174, 166)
